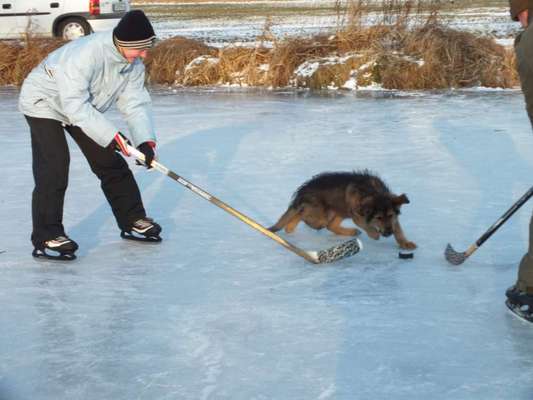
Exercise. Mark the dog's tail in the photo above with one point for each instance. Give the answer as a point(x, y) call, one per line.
point(284, 219)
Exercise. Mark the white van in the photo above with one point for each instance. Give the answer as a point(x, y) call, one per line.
point(68, 19)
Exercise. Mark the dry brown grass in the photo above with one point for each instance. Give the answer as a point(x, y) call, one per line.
point(8, 58)
point(288, 54)
point(411, 48)
point(244, 66)
point(451, 59)
point(408, 47)
point(168, 59)
point(17, 59)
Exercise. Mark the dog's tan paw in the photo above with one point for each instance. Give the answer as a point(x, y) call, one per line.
point(407, 245)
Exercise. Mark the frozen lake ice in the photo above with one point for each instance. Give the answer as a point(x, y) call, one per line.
point(218, 311)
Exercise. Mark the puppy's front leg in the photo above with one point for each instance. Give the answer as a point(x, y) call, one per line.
point(360, 222)
point(401, 239)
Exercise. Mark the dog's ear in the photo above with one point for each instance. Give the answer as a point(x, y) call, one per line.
point(399, 200)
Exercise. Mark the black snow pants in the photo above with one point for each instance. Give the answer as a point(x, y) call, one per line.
point(51, 161)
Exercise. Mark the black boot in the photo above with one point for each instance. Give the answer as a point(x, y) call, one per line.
point(143, 230)
point(62, 245)
point(520, 303)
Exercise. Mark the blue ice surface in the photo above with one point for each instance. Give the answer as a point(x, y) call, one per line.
point(218, 311)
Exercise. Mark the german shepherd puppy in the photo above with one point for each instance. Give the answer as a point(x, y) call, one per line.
point(327, 199)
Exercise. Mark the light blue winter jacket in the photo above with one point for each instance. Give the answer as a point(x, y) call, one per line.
point(79, 81)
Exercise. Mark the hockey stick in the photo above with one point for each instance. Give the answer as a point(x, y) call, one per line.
point(457, 258)
point(332, 254)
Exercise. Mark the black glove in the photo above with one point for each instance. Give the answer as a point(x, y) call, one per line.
point(147, 148)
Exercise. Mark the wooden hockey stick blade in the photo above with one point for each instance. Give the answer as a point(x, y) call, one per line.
point(336, 253)
point(455, 257)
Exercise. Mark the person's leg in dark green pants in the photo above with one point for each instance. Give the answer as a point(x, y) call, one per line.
point(524, 54)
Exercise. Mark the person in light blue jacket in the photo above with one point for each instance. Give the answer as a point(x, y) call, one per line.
point(69, 91)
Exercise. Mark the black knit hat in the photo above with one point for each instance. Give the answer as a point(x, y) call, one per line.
point(134, 31)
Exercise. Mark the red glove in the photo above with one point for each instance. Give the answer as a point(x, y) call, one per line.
point(147, 148)
point(121, 144)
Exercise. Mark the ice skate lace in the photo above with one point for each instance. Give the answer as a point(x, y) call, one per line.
point(143, 223)
point(58, 241)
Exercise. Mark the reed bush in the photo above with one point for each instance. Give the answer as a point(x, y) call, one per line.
point(17, 59)
point(166, 62)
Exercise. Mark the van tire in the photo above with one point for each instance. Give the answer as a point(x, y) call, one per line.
point(73, 28)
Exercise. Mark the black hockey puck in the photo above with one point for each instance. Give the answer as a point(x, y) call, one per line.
point(405, 256)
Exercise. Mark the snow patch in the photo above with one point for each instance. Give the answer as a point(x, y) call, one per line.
point(307, 69)
point(198, 61)
point(350, 84)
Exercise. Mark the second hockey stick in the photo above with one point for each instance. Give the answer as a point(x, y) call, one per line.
point(457, 258)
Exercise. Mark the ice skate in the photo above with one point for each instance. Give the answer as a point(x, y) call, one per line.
point(143, 230)
point(520, 303)
point(62, 248)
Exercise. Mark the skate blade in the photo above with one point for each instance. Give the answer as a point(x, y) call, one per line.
point(43, 255)
point(518, 313)
point(145, 239)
